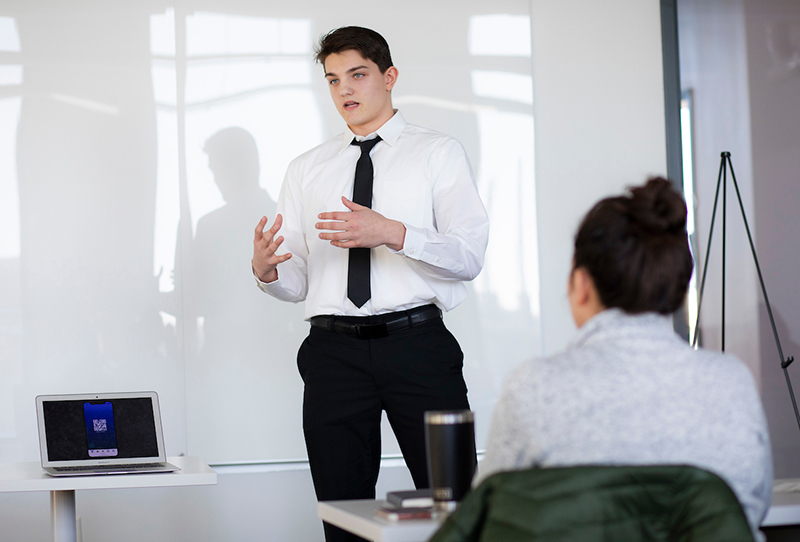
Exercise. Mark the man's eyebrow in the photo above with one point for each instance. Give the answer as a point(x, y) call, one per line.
point(351, 70)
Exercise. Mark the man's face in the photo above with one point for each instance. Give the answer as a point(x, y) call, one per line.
point(361, 93)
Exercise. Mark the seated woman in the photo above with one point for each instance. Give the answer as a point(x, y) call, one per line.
point(628, 390)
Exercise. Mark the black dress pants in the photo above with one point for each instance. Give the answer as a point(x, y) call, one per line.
point(349, 381)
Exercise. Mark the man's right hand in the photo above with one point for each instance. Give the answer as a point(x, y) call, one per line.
point(265, 261)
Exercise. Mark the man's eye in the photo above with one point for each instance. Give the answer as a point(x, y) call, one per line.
point(332, 81)
point(358, 75)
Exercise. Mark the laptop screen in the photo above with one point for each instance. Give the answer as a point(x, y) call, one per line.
point(100, 428)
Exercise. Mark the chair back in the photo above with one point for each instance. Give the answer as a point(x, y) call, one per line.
point(674, 503)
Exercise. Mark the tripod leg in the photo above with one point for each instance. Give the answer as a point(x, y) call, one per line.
point(784, 363)
point(758, 267)
point(724, 229)
point(708, 254)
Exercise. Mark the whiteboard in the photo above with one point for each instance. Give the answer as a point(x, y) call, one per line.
point(140, 143)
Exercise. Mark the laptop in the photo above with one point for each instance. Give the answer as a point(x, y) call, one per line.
point(101, 433)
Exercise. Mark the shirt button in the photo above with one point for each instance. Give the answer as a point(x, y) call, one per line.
point(411, 251)
point(438, 260)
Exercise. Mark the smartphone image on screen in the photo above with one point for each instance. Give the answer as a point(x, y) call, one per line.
point(101, 434)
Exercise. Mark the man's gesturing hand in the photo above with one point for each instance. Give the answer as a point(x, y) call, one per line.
point(265, 261)
point(361, 227)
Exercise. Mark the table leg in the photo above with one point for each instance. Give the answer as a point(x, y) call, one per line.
point(62, 516)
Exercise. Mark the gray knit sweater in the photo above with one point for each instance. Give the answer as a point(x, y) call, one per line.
point(629, 391)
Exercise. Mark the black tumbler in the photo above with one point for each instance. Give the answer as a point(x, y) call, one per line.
point(450, 446)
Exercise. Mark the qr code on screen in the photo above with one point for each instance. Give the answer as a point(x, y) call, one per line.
point(100, 426)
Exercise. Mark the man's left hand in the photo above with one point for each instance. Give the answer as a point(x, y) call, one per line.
point(360, 227)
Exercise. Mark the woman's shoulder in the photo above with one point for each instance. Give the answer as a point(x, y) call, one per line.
point(531, 373)
point(523, 375)
point(723, 367)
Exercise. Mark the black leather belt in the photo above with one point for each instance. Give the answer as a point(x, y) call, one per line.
point(375, 327)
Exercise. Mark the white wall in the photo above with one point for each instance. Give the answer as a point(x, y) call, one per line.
point(598, 108)
point(713, 57)
point(739, 60)
point(773, 50)
point(150, 138)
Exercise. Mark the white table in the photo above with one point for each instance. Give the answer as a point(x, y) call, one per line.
point(30, 477)
point(358, 517)
point(785, 508)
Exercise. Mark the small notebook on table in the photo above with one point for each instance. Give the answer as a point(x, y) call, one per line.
point(398, 514)
point(415, 498)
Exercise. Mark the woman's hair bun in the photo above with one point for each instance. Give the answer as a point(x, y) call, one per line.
point(657, 208)
point(636, 249)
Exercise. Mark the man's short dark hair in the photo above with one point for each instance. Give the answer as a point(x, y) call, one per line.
point(369, 43)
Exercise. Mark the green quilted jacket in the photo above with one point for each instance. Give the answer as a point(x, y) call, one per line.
point(599, 504)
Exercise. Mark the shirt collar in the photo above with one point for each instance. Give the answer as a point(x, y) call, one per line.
point(389, 132)
point(616, 322)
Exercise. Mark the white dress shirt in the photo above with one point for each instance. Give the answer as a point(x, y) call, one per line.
point(423, 179)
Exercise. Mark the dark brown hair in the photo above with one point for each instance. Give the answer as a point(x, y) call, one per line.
point(369, 43)
point(636, 249)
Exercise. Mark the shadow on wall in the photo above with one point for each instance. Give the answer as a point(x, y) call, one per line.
point(237, 361)
point(86, 166)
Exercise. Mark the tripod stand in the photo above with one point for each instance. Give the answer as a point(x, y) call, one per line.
point(722, 180)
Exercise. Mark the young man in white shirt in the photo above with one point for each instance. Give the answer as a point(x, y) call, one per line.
point(425, 231)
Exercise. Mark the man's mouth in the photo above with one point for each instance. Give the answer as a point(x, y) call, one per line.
point(350, 105)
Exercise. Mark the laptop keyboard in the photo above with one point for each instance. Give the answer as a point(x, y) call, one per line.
point(83, 468)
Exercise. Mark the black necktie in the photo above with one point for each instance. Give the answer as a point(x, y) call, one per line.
point(358, 290)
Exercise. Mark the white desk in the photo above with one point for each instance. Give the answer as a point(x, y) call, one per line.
point(358, 517)
point(785, 508)
point(30, 477)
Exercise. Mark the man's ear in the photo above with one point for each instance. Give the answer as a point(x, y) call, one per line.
point(390, 77)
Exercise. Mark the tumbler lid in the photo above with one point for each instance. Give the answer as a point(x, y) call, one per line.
point(449, 417)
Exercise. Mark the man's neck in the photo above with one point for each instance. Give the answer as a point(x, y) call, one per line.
point(373, 127)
